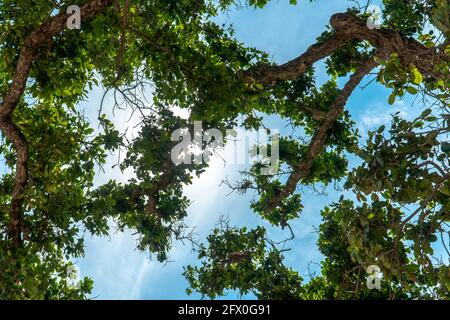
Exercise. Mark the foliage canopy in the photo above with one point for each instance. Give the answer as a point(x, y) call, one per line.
point(48, 200)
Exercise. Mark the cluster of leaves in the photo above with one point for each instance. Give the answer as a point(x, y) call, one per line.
point(406, 17)
point(55, 200)
point(242, 259)
point(31, 273)
point(327, 167)
point(397, 173)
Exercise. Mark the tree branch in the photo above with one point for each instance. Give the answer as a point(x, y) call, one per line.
point(28, 54)
point(303, 168)
point(348, 28)
point(434, 164)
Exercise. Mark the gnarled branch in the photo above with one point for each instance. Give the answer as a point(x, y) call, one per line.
point(28, 54)
point(303, 168)
point(348, 28)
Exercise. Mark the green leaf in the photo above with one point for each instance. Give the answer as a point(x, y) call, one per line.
point(411, 90)
point(391, 99)
point(375, 197)
point(445, 147)
point(416, 76)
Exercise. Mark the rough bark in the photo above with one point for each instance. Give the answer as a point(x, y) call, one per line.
point(348, 28)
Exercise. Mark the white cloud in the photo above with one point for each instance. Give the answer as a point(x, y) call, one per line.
point(380, 113)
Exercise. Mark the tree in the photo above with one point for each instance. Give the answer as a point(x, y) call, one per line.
point(48, 198)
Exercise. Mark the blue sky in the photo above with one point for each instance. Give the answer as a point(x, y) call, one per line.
point(121, 272)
